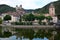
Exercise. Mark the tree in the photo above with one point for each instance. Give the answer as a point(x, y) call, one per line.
point(7, 17)
point(49, 18)
point(0, 21)
point(29, 17)
point(40, 17)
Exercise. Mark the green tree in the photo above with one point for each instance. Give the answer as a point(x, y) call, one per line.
point(0, 20)
point(49, 18)
point(40, 17)
point(7, 17)
point(29, 17)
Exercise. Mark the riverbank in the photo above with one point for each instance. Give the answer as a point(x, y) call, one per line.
point(31, 26)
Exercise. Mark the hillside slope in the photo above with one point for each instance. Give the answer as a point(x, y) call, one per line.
point(5, 8)
point(45, 9)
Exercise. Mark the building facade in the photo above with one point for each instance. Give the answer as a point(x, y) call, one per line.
point(15, 16)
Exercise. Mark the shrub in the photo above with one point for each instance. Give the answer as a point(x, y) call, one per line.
point(21, 23)
point(40, 22)
point(43, 23)
point(50, 23)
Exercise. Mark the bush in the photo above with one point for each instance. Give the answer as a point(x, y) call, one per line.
point(7, 34)
point(21, 23)
point(0, 21)
point(29, 23)
point(40, 22)
point(50, 23)
point(43, 23)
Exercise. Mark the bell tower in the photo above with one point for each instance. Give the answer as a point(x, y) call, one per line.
point(16, 7)
point(20, 6)
point(52, 10)
point(20, 10)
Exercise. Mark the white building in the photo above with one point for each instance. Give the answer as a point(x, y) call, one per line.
point(15, 16)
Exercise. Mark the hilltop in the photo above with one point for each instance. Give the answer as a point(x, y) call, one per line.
point(5, 8)
point(45, 9)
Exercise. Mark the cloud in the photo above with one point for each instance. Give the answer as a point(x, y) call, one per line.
point(27, 4)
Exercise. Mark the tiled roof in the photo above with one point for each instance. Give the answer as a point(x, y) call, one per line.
point(13, 13)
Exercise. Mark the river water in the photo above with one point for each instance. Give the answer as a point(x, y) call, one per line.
point(31, 34)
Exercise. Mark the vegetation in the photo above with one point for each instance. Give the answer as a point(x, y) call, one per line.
point(45, 9)
point(5, 8)
point(49, 18)
point(29, 17)
point(41, 17)
point(7, 17)
point(31, 34)
point(0, 20)
point(22, 23)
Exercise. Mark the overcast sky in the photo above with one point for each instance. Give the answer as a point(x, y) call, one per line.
point(27, 4)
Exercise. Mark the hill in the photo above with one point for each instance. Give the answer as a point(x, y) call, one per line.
point(45, 9)
point(5, 8)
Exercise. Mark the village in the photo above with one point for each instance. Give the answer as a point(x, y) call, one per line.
point(30, 20)
point(11, 18)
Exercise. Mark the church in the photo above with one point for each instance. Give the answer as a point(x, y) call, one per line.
point(52, 13)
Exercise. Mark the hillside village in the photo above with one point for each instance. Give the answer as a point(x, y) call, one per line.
point(18, 23)
point(16, 16)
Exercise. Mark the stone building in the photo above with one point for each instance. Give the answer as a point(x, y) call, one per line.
point(52, 13)
point(15, 16)
point(20, 10)
point(51, 10)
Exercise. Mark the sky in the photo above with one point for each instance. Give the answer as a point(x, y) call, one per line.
point(27, 4)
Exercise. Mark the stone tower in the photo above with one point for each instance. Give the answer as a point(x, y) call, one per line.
point(20, 10)
point(52, 10)
point(16, 7)
point(20, 7)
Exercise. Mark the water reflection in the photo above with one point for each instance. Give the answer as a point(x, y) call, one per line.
point(31, 34)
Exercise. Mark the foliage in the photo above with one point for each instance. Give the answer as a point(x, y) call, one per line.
point(7, 34)
point(0, 20)
point(40, 22)
point(7, 17)
point(49, 18)
point(5, 8)
point(22, 23)
point(29, 17)
point(45, 9)
point(40, 17)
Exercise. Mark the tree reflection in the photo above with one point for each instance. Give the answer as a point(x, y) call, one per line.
point(29, 33)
